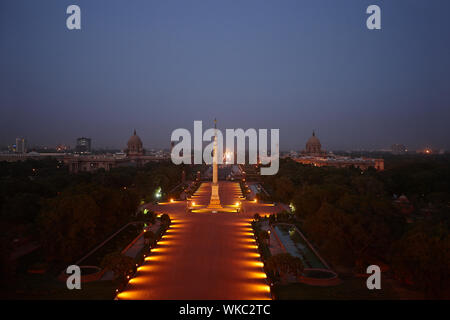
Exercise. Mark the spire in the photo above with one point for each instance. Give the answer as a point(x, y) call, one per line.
point(314, 134)
point(134, 131)
point(215, 123)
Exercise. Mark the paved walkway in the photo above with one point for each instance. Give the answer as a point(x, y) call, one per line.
point(274, 245)
point(203, 256)
point(140, 243)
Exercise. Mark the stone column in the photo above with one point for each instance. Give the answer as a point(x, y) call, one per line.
point(215, 168)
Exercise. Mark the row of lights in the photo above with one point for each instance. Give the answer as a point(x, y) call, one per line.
point(129, 278)
point(259, 256)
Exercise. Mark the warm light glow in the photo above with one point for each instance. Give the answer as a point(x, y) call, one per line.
point(256, 264)
point(254, 255)
point(136, 281)
point(256, 275)
point(123, 295)
point(129, 294)
point(264, 287)
point(151, 258)
point(171, 200)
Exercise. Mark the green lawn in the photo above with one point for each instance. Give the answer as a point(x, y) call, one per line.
point(118, 243)
point(349, 289)
point(44, 287)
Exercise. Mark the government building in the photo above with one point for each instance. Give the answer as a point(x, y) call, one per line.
point(134, 156)
point(315, 156)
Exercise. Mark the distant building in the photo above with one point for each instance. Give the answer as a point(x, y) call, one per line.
point(293, 154)
point(314, 155)
point(83, 145)
point(398, 149)
point(343, 162)
point(429, 150)
point(134, 146)
point(21, 145)
point(134, 156)
point(314, 147)
point(62, 148)
point(425, 151)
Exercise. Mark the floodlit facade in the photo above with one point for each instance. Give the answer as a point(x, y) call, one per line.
point(315, 156)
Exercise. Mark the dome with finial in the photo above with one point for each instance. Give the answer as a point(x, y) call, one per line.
point(313, 145)
point(134, 145)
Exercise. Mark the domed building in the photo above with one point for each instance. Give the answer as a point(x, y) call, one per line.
point(133, 156)
point(134, 146)
point(313, 146)
point(315, 156)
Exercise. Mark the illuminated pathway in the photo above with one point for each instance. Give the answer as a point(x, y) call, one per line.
point(202, 256)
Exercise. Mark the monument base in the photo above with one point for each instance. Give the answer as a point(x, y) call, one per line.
point(214, 202)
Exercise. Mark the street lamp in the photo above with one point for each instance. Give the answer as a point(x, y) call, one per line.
point(158, 193)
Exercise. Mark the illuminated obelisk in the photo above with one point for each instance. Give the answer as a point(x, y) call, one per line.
point(214, 202)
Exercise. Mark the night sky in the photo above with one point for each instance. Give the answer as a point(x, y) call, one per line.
point(158, 65)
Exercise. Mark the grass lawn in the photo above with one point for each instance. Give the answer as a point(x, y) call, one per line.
point(349, 289)
point(118, 243)
point(45, 287)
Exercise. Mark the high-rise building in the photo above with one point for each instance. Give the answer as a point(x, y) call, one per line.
point(21, 145)
point(83, 145)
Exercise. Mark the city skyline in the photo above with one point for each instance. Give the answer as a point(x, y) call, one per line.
point(158, 66)
point(68, 146)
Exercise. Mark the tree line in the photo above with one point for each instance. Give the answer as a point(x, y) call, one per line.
point(68, 214)
point(351, 216)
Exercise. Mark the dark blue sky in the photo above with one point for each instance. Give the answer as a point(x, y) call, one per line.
point(158, 65)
